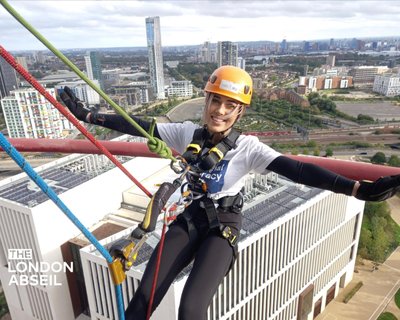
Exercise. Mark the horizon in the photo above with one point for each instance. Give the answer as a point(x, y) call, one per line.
point(114, 24)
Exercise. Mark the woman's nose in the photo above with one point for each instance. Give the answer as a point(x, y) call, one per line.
point(221, 108)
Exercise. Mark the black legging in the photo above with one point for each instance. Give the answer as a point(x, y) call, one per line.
point(212, 258)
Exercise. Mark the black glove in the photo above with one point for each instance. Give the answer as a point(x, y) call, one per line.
point(379, 190)
point(77, 107)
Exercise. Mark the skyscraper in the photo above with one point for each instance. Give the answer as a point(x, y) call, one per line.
point(227, 53)
point(206, 52)
point(93, 67)
point(8, 78)
point(330, 59)
point(153, 33)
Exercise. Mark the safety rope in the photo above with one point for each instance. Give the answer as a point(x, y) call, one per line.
point(167, 220)
point(156, 144)
point(35, 177)
point(28, 77)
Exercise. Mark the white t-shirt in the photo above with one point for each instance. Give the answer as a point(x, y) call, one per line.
point(227, 178)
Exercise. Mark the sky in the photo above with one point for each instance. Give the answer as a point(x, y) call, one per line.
point(104, 24)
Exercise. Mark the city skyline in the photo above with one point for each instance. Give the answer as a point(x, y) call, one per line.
point(102, 24)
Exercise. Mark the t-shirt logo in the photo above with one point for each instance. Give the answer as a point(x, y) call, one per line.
point(215, 178)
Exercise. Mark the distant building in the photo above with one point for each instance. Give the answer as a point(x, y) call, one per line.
point(180, 89)
point(315, 83)
point(387, 85)
point(132, 94)
point(82, 90)
point(206, 52)
point(227, 53)
point(288, 95)
point(56, 78)
point(93, 67)
point(156, 68)
point(22, 61)
point(330, 60)
point(241, 63)
point(8, 78)
point(29, 115)
point(284, 46)
point(364, 76)
point(172, 64)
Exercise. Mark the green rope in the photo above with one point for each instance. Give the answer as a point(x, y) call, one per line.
point(161, 148)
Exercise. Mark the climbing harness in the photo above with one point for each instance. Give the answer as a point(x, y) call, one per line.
point(207, 161)
point(28, 77)
point(36, 178)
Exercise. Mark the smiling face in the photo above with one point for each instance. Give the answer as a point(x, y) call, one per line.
point(221, 113)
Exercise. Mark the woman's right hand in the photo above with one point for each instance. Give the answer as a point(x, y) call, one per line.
point(77, 107)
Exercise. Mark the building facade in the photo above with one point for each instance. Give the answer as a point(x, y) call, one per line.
point(182, 88)
point(206, 52)
point(387, 85)
point(83, 91)
point(30, 221)
point(314, 83)
point(364, 76)
point(93, 67)
point(156, 67)
point(29, 115)
point(298, 248)
point(8, 78)
point(227, 53)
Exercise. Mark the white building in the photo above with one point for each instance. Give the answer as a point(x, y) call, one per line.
point(82, 90)
point(241, 63)
point(29, 115)
point(387, 85)
point(182, 88)
point(29, 220)
point(297, 250)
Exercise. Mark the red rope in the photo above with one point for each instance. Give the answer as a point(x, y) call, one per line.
point(28, 77)
point(158, 262)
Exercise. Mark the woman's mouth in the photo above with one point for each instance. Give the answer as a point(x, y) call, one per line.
point(216, 119)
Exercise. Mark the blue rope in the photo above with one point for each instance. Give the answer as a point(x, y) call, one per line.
point(25, 166)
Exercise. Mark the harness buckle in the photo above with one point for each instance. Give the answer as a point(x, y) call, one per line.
point(217, 152)
point(229, 235)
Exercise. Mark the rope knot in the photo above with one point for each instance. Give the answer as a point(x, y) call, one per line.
point(160, 147)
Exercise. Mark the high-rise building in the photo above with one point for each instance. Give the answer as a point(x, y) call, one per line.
point(156, 65)
point(284, 46)
point(29, 115)
point(206, 52)
point(93, 67)
point(330, 60)
point(227, 53)
point(8, 78)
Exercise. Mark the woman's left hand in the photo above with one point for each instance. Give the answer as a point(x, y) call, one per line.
point(378, 190)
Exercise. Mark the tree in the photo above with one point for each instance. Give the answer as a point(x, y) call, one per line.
point(328, 152)
point(378, 158)
point(394, 161)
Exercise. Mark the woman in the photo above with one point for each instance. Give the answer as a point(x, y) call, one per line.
point(208, 230)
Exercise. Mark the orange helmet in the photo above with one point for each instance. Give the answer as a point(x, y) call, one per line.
point(231, 82)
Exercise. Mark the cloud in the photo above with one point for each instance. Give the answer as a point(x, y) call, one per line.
point(74, 24)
